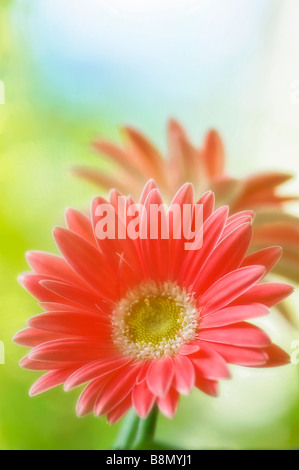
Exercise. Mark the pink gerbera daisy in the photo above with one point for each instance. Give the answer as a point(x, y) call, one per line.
point(141, 321)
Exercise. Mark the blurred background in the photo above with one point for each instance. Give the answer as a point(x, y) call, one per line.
point(74, 70)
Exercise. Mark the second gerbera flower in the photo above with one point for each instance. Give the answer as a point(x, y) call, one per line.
point(142, 321)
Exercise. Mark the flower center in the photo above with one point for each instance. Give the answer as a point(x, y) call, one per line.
point(154, 321)
point(154, 318)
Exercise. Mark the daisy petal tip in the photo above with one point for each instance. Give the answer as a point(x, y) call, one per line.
point(33, 392)
point(21, 279)
point(153, 195)
point(58, 232)
point(17, 338)
point(172, 122)
point(32, 355)
point(278, 249)
point(96, 200)
point(80, 413)
point(260, 270)
point(188, 187)
point(15, 341)
point(67, 212)
point(142, 414)
point(31, 255)
point(23, 362)
point(67, 387)
point(186, 190)
point(209, 195)
point(151, 184)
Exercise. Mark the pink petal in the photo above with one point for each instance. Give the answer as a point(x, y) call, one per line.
point(116, 389)
point(51, 266)
point(226, 257)
point(143, 400)
point(88, 397)
point(247, 357)
point(175, 220)
point(237, 215)
point(155, 251)
point(94, 370)
point(207, 200)
point(143, 372)
point(189, 348)
point(116, 249)
point(120, 410)
point(108, 246)
point(214, 154)
point(212, 230)
point(114, 195)
point(27, 363)
point(160, 375)
point(267, 294)
point(236, 222)
point(30, 337)
point(229, 315)
point(31, 282)
point(68, 307)
point(71, 323)
point(239, 334)
point(267, 257)
point(210, 387)
point(169, 403)
point(120, 156)
point(71, 350)
point(49, 380)
point(80, 224)
point(145, 152)
point(228, 288)
point(276, 357)
point(86, 260)
point(151, 184)
point(67, 292)
point(209, 364)
point(184, 375)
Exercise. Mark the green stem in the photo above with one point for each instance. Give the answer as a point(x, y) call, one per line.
point(136, 433)
point(146, 431)
point(127, 433)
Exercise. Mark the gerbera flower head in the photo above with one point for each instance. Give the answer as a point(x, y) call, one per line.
point(204, 166)
point(141, 320)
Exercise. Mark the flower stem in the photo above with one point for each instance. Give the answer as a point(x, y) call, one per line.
point(127, 433)
point(136, 433)
point(146, 431)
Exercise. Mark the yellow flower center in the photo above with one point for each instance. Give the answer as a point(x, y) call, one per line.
point(154, 321)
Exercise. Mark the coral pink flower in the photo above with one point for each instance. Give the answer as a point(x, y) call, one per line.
point(204, 166)
point(140, 322)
